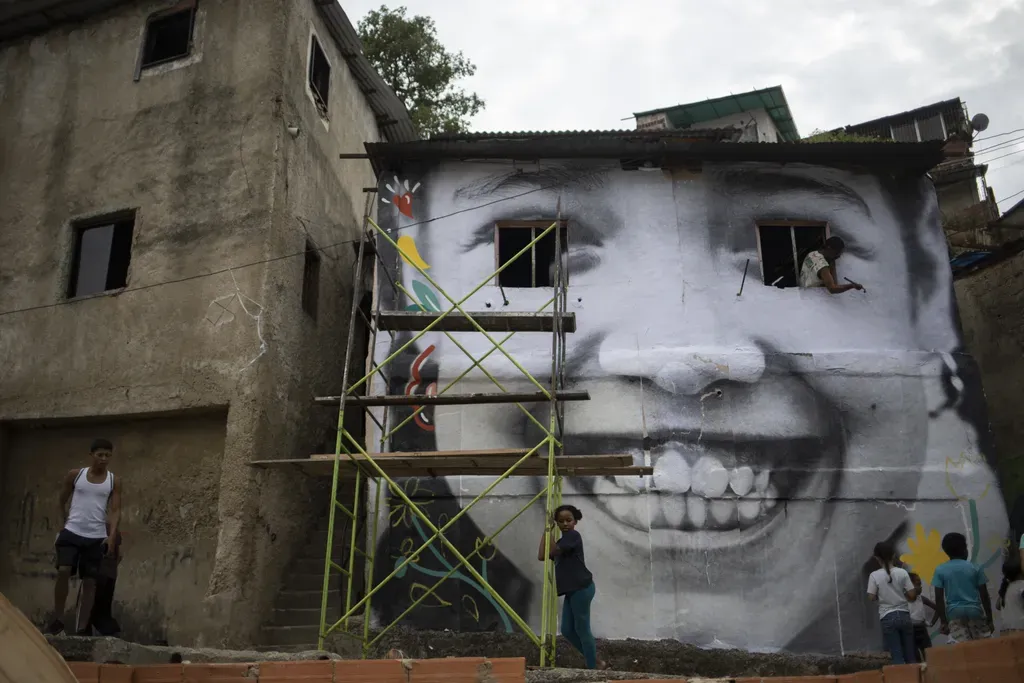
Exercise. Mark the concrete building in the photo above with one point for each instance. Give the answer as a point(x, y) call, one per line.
point(176, 246)
point(761, 116)
point(789, 430)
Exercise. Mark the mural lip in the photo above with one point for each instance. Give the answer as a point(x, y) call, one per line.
point(667, 150)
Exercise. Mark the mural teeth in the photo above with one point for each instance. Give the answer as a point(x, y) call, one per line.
point(771, 497)
point(741, 480)
point(629, 507)
point(749, 509)
point(762, 480)
point(723, 512)
point(709, 477)
point(673, 508)
point(672, 473)
point(696, 511)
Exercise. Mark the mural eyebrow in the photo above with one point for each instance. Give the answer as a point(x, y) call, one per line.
point(550, 177)
point(767, 181)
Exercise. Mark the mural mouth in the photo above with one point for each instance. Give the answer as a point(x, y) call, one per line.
point(726, 486)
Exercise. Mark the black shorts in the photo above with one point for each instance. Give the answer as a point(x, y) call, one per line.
point(83, 555)
point(922, 640)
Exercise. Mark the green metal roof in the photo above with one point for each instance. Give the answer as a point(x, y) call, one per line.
point(772, 100)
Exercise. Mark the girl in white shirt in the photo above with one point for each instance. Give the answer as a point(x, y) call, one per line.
point(1011, 599)
point(892, 588)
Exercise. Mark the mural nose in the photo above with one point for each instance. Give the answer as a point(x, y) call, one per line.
point(684, 370)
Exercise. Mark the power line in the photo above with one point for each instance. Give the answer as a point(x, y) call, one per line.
point(272, 259)
point(999, 135)
point(1010, 196)
point(1011, 141)
point(1010, 154)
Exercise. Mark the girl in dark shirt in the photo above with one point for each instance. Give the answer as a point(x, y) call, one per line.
point(573, 580)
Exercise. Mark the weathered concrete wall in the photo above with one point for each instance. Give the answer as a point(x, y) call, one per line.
point(170, 530)
point(990, 304)
point(200, 150)
point(789, 430)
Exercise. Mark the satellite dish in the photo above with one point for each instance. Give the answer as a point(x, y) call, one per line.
point(979, 122)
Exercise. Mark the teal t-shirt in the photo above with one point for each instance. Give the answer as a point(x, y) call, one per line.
point(959, 580)
point(1022, 541)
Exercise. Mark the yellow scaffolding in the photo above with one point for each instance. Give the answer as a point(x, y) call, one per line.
point(351, 460)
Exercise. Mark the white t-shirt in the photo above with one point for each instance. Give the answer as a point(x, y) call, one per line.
point(1013, 611)
point(891, 594)
point(812, 265)
point(919, 612)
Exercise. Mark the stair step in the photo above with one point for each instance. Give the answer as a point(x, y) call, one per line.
point(297, 617)
point(291, 635)
point(307, 599)
point(312, 582)
point(315, 565)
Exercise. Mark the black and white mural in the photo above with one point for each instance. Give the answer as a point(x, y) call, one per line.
point(789, 430)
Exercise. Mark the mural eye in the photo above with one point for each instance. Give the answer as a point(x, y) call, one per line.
point(580, 260)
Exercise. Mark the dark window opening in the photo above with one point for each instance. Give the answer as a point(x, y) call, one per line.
point(102, 254)
point(311, 280)
point(168, 37)
point(783, 248)
point(319, 77)
point(536, 267)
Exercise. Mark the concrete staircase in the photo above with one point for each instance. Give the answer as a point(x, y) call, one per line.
point(295, 622)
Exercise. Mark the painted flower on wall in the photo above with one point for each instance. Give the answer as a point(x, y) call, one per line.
point(925, 553)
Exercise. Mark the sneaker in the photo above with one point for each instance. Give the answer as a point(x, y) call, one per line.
point(85, 632)
point(56, 628)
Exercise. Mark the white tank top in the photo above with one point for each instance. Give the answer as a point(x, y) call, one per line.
point(88, 515)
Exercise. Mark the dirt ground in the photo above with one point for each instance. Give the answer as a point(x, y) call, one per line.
point(628, 658)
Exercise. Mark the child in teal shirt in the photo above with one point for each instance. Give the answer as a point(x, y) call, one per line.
point(961, 594)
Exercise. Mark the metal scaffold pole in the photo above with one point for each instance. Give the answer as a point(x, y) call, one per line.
point(378, 472)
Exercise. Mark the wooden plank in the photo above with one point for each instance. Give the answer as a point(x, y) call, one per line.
point(414, 321)
point(449, 399)
point(420, 466)
point(397, 473)
point(484, 453)
point(427, 461)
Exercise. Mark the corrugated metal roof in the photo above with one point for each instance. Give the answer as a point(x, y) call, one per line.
point(689, 133)
point(931, 109)
point(773, 100)
point(25, 17)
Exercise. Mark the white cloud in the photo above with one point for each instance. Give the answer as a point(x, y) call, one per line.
point(555, 65)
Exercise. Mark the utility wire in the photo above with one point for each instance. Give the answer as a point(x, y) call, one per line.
point(1010, 196)
point(1011, 141)
point(999, 135)
point(1010, 154)
point(272, 259)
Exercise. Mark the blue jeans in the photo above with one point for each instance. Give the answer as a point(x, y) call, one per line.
point(898, 637)
point(576, 623)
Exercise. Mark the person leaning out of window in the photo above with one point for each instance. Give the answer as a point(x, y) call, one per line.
point(819, 268)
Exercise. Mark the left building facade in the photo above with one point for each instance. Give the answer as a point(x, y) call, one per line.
point(176, 263)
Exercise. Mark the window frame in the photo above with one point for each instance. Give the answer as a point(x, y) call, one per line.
point(78, 227)
point(318, 99)
point(776, 223)
point(310, 296)
point(542, 225)
point(191, 6)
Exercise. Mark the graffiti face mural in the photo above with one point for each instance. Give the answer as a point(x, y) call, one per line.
point(789, 430)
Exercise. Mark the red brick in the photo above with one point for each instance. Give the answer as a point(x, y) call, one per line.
point(85, 672)
point(315, 671)
point(368, 671)
point(116, 673)
point(788, 679)
point(862, 677)
point(468, 670)
point(513, 670)
point(902, 673)
point(946, 664)
point(216, 673)
point(158, 673)
point(991, 659)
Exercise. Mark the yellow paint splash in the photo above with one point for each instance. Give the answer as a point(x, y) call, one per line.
point(410, 254)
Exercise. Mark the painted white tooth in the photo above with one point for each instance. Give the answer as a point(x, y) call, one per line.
point(673, 508)
point(723, 511)
point(709, 477)
point(635, 483)
point(741, 480)
point(749, 508)
point(672, 473)
point(628, 507)
point(696, 511)
point(771, 497)
point(762, 480)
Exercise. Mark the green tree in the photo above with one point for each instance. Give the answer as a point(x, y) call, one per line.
point(407, 54)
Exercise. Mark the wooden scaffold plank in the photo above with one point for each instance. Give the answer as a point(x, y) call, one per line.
point(450, 399)
point(414, 321)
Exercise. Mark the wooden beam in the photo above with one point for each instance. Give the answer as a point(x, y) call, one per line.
point(414, 321)
point(449, 399)
point(450, 468)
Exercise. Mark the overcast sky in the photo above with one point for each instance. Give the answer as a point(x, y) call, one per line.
point(588, 64)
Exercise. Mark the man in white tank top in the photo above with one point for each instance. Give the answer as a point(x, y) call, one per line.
point(88, 529)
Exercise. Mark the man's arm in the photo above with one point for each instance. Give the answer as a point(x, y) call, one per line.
point(67, 488)
point(940, 609)
point(928, 602)
point(114, 514)
point(826, 275)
